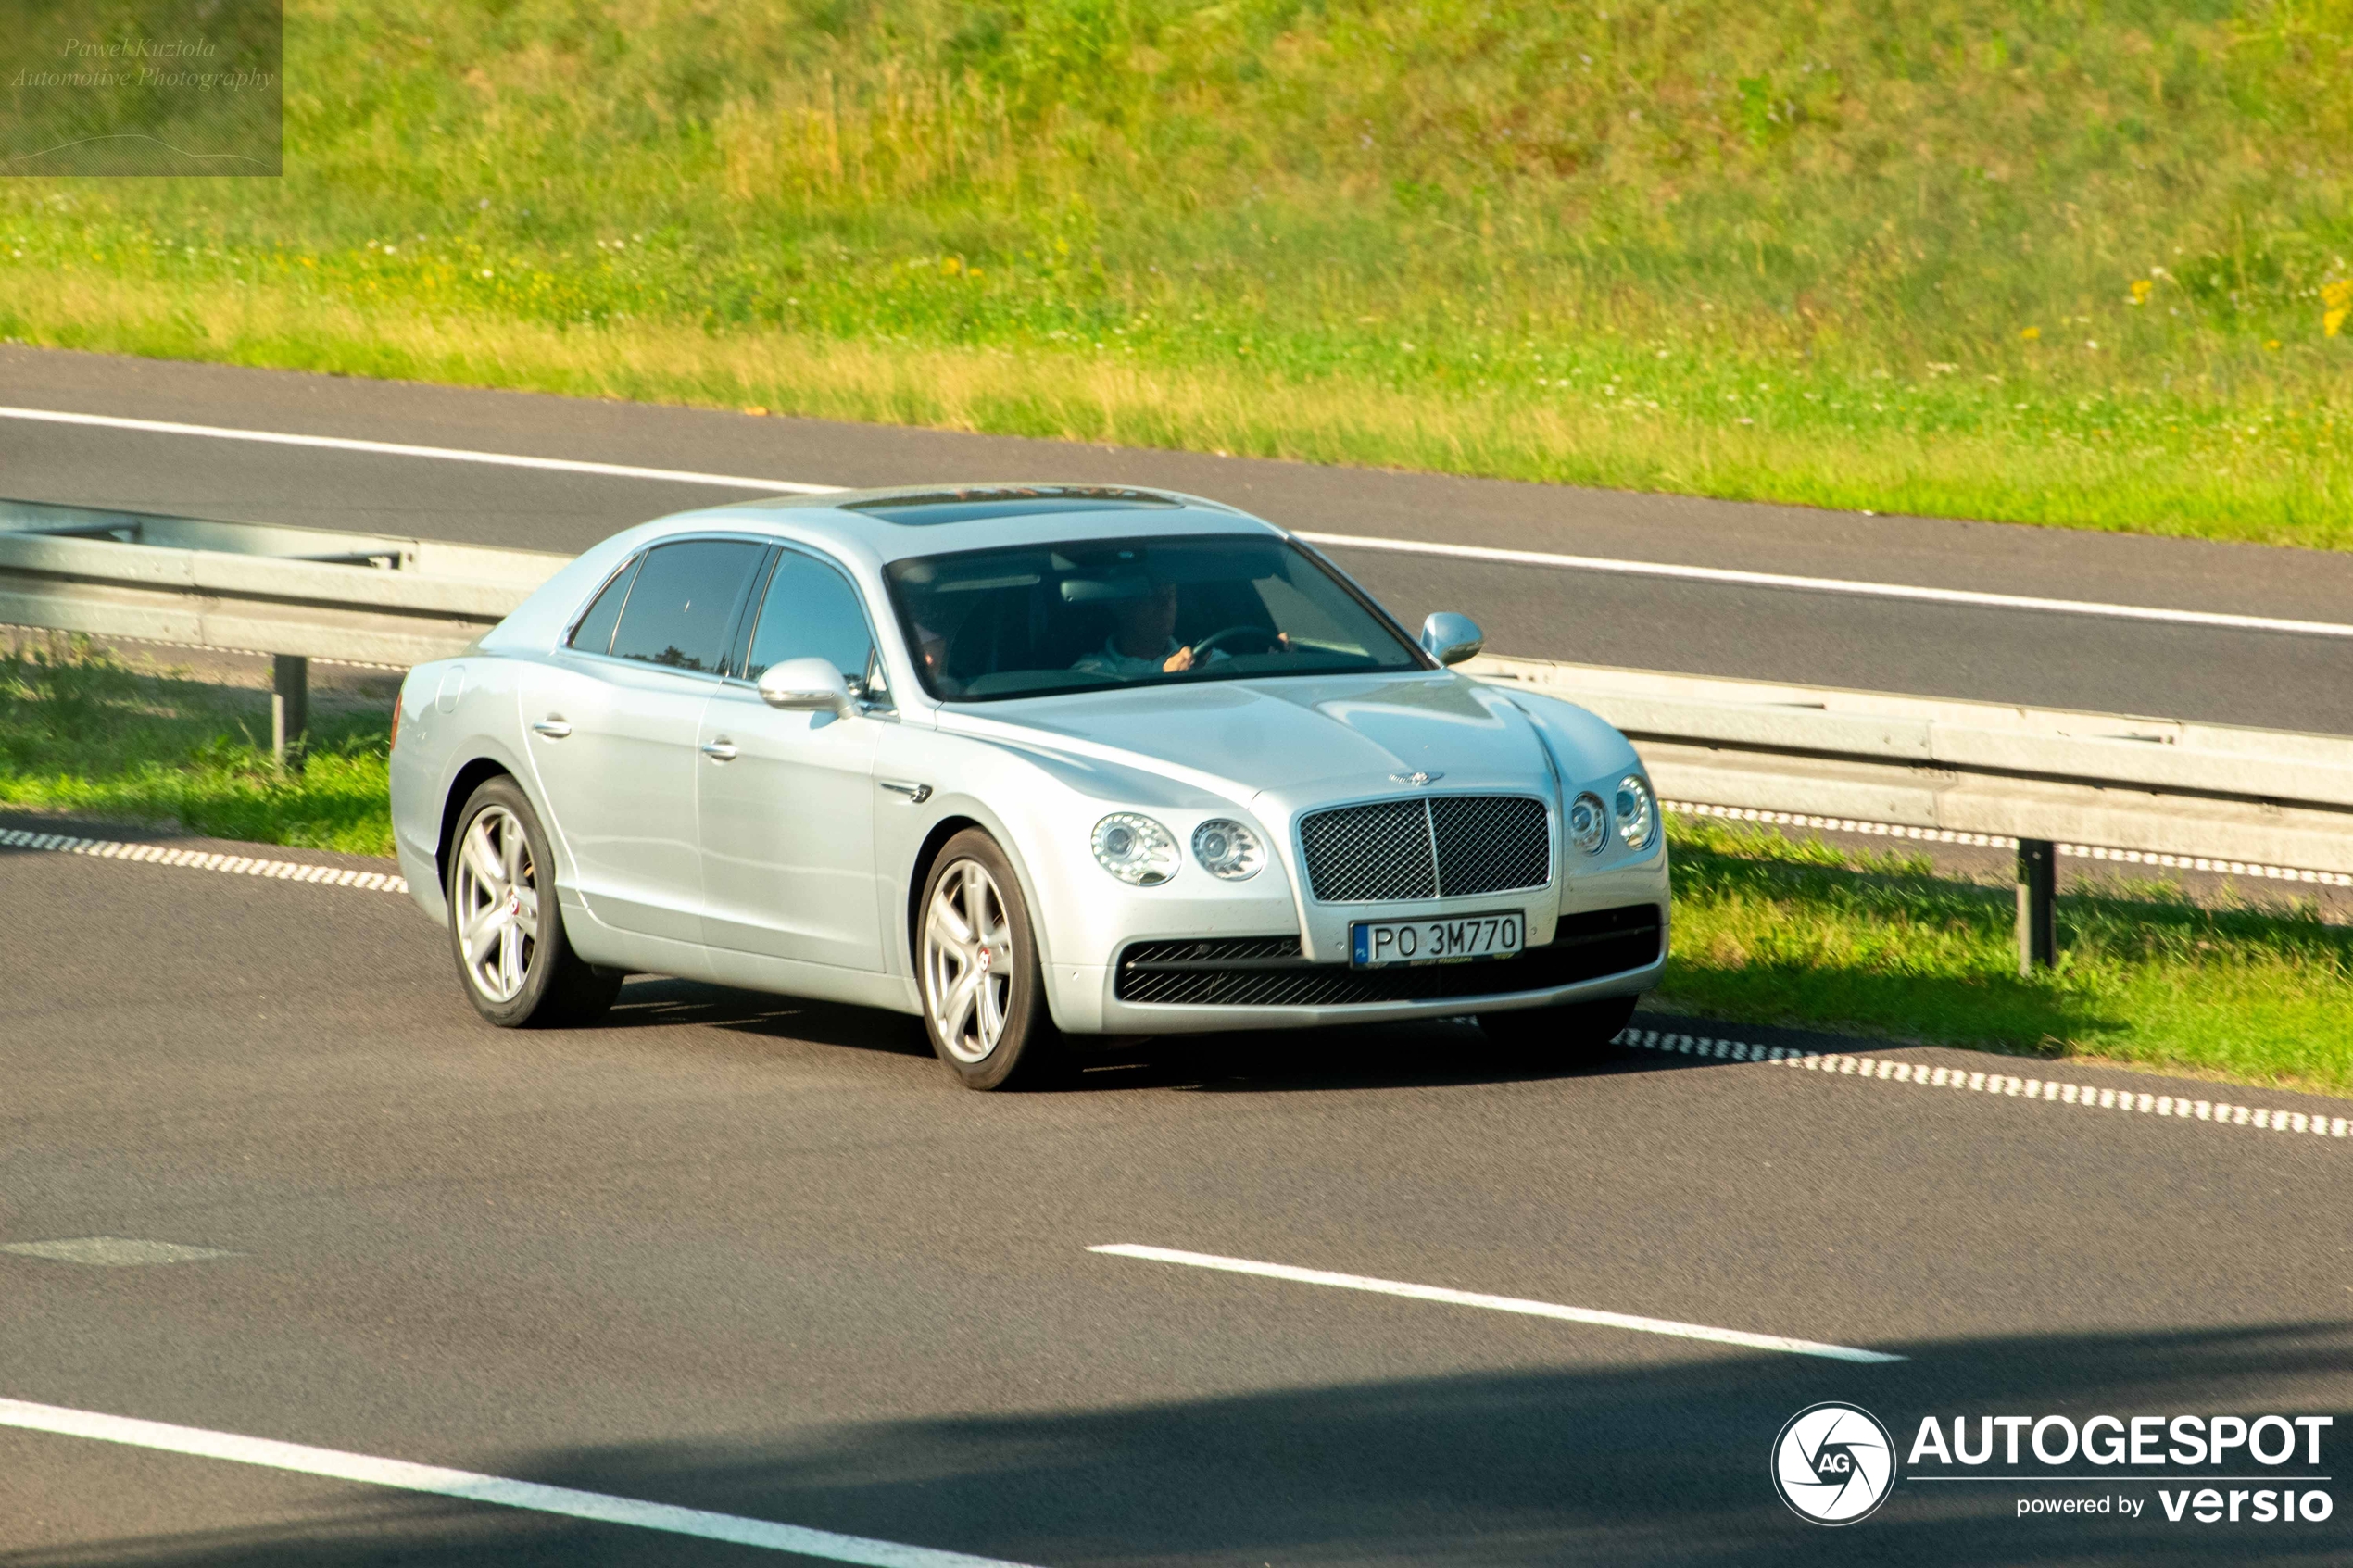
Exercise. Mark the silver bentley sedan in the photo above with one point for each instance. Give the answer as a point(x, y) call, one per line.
point(1036, 764)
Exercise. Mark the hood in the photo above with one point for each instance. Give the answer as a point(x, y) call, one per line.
point(1304, 735)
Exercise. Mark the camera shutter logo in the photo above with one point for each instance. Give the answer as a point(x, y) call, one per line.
point(1833, 1464)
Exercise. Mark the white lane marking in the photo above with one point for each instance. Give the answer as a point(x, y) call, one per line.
point(202, 859)
point(1342, 541)
point(1996, 841)
point(471, 1487)
point(112, 1251)
point(403, 449)
point(2049, 1091)
point(1494, 1303)
point(1838, 586)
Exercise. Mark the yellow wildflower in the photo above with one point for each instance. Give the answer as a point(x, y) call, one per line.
point(2337, 303)
point(2030, 333)
point(2142, 288)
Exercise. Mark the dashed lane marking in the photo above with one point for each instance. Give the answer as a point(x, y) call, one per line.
point(202, 859)
point(113, 1252)
point(471, 1487)
point(2049, 1091)
point(1494, 1303)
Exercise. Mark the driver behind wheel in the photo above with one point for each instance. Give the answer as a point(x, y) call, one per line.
point(1143, 640)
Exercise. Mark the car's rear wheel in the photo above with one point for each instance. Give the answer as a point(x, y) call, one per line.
point(505, 926)
point(1569, 1035)
point(984, 992)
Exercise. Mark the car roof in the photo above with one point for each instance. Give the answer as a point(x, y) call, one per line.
point(905, 521)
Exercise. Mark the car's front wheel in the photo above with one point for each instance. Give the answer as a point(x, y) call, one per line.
point(1567, 1036)
point(984, 992)
point(505, 925)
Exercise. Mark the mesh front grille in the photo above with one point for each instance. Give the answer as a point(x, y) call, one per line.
point(1489, 843)
point(1361, 852)
point(1268, 972)
point(1455, 845)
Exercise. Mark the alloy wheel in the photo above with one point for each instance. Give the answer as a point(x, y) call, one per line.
point(968, 961)
point(496, 905)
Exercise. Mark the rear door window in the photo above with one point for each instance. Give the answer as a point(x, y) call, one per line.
point(684, 602)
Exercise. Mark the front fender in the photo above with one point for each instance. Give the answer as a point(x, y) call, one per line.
point(1041, 808)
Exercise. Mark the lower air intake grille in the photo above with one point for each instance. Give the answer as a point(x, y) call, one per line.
point(1450, 847)
point(1268, 972)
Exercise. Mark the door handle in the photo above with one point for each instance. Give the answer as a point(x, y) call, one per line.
point(552, 727)
point(916, 793)
point(719, 751)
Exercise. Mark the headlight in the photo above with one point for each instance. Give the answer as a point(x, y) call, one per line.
point(1227, 849)
point(1135, 850)
point(1588, 822)
point(1636, 819)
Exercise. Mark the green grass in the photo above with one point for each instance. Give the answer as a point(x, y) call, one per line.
point(83, 734)
point(2034, 260)
point(1769, 930)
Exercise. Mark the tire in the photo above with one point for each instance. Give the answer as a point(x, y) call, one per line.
point(977, 969)
point(506, 925)
point(1574, 1034)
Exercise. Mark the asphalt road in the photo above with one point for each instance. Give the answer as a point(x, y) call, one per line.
point(763, 1258)
point(2271, 679)
point(760, 1257)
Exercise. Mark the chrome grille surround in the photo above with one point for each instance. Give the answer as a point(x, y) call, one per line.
point(1441, 846)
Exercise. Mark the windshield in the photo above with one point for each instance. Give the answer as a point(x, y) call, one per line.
point(1082, 616)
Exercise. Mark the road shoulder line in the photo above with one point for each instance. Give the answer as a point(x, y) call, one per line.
point(471, 1487)
point(203, 860)
point(2051, 1092)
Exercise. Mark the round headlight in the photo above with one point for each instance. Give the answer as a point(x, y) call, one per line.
point(1636, 819)
point(1227, 849)
point(1588, 822)
point(1135, 850)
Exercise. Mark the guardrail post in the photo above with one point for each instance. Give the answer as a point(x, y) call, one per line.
point(2037, 901)
point(289, 705)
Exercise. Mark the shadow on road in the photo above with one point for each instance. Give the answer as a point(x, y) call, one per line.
point(1644, 1464)
point(1434, 1053)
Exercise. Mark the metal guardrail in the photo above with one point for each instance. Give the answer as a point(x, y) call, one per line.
point(2160, 787)
point(2039, 776)
point(297, 594)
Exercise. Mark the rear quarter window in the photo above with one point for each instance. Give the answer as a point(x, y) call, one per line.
point(594, 635)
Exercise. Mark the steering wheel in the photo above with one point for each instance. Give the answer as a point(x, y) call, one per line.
point(1272, 639)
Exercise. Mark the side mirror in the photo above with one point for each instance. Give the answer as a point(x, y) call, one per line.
point(806, 686)
point(1451, 638)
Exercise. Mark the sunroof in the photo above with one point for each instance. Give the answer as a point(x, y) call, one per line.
point(979, 502)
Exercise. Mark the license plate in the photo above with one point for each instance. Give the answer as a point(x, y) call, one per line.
point(1377, 944)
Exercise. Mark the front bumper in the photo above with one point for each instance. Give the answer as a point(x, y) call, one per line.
point(1212, 985)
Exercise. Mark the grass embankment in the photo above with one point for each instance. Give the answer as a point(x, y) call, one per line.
point(1782, 931)
point(2069, 264)
point(81, 732)
point(1766, 930)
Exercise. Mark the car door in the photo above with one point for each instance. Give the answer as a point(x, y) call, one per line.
point(786, 801)
point(613, 722)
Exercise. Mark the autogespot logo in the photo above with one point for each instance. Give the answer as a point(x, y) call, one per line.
point(1833, 1464)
